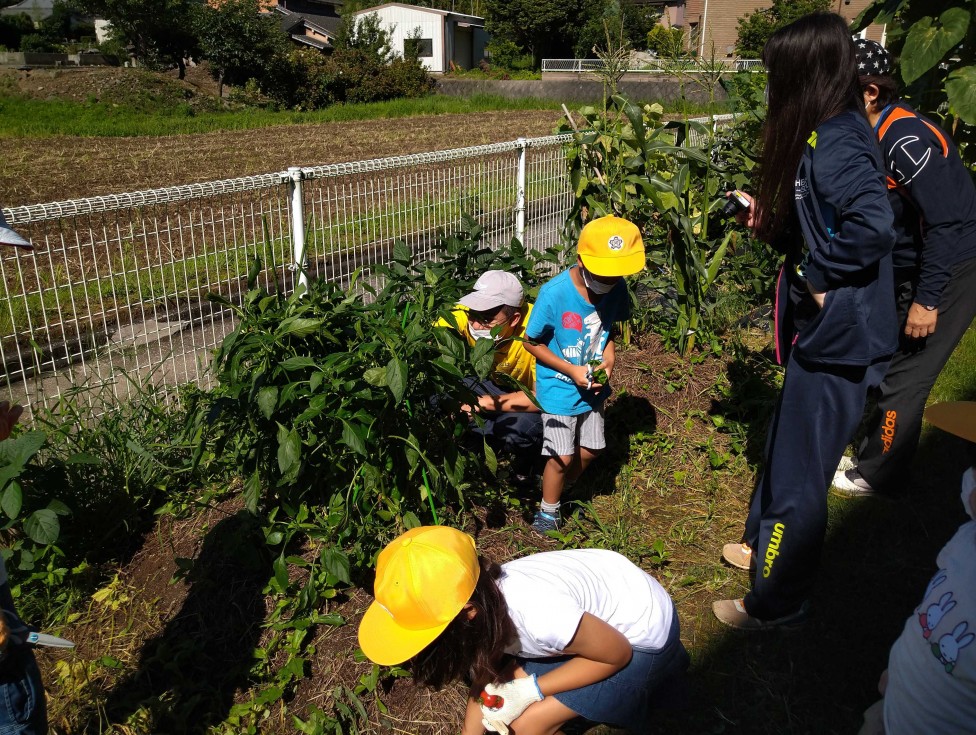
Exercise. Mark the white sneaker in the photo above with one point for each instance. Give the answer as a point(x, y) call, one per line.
point(850, 484)
point(846, 463)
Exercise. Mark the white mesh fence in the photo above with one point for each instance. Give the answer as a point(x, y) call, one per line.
point(115, 291)
point(649, 66)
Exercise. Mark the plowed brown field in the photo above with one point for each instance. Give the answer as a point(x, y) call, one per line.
point(39, 170)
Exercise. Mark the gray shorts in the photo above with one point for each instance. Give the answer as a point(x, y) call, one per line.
point(562, 434)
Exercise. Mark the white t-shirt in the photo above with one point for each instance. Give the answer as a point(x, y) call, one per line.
point(548, 593)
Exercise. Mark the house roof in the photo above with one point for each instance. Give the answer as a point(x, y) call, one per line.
point(309, 41)
point(463, 17)
point(291, 21)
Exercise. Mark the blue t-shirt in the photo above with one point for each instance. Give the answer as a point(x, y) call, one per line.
point(577, 331)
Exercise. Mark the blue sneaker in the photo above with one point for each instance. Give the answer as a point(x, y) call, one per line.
point(545, 522)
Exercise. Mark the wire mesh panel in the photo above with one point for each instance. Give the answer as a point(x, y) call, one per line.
point(355, 212)
point(548, 193)
point(115, 291)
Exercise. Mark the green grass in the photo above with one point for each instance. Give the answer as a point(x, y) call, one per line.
point(21, 117)
point(957, 381)
point(501, 74)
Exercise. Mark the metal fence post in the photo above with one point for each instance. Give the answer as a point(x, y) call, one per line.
point(523, 149)
point(299, 262)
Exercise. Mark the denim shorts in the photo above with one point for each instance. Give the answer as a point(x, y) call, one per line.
point(23, 710)
point(652, 680)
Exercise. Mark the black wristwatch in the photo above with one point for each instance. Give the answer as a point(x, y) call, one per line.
point(929, 308)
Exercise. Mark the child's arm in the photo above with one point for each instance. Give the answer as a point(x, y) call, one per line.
point(576, 373)
point(600, 651)
point(472, 719)
point(515, 401)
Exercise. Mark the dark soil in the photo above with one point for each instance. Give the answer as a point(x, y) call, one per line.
point(214, 602)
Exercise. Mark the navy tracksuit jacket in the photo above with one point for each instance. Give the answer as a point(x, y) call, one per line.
point(832, 355)
point(934, 203)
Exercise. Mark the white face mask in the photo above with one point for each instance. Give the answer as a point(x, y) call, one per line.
point(597, 287)
point(480, 333)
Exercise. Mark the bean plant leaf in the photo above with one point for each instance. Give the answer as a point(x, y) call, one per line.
point(253, 272)
point(289, 454)
point(297, 363)
point(411, 452)
point(280, 568)
point(377, 376)
point(252, 492)
point(483, 357)
point(43, 526)
point(315, 381)
point(928, 41)
point(298, 327)
point(447, 367)
point(490, 459)
point(401, 252)
point(961, 90)
point(268, 400)
point(58, 507)
point(352, 438)
point(396, 370)
point(882, 13)
point(19, 450)
point(337, 564)
point(410, 520)
point(12, 500)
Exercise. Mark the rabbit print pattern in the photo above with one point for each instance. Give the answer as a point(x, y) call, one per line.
point(947, 646)
point(932, 665)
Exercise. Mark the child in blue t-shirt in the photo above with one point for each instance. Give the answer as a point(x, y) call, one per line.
point(569, 335)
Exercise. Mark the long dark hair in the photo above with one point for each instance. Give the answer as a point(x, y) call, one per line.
point(812, 76)
point(471, 644)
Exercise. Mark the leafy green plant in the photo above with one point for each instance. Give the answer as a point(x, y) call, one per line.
point(629, 163)
point(327, 399)
point(935, 41)
point(32, 517)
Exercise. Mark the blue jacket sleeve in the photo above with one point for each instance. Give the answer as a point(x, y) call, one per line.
point(849, 185)
point(918, 162)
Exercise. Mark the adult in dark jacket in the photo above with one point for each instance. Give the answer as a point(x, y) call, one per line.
point(821, 199)
point(934, 201)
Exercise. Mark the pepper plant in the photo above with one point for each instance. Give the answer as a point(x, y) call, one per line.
point(347, 400)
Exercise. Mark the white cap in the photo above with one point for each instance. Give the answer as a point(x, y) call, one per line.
point(9, 237)
point(494, 289)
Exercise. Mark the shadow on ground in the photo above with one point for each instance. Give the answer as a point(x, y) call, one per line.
point(626, 416)
point(187, 676)
point(878, 558)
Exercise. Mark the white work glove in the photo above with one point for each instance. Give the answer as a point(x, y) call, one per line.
point(516, 695)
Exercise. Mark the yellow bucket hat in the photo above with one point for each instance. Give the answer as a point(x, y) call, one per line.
point(423, 579)
point(611, 246)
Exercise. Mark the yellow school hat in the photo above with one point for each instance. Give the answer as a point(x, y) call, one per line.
point(957, 417)
point(423, 579)
point(611, 246)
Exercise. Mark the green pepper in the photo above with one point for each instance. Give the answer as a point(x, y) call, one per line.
point(598, 375)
